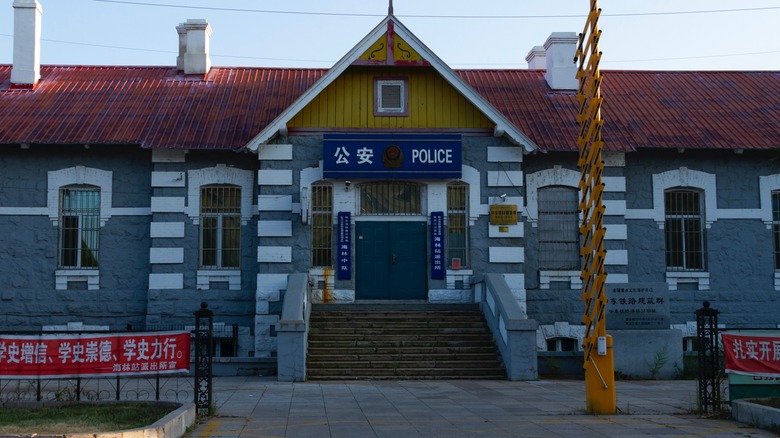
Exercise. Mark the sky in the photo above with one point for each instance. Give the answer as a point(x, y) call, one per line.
point(497, 34)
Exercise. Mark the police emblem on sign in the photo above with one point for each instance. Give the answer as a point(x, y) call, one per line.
point(393, 156)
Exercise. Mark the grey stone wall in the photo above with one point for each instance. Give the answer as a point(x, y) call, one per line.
point(28, 243)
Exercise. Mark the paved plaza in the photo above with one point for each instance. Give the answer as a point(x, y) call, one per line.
point(262, 407)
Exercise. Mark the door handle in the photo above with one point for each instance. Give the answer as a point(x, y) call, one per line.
point(393, 258)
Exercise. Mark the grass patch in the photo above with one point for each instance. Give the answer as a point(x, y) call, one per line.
point(80, 417)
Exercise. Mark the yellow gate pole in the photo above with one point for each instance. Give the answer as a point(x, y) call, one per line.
point(599, 360)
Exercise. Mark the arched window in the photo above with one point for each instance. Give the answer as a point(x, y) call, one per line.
point(684, 229)
point(220, 226)
point(559, 242)
point(79, 227)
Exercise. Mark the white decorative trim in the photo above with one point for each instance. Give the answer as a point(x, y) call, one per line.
point(559, 330)
point(617, 278)
point(616, 207)
point(274, 254)
point(62, 277)
point(166, 281)
point(503, 254)
point(702, 279)
point(504, 154)
point(274, 228)
point(220, 174)
point(166, 255)
point(79, 175)
point(573, 277)
point(505, 178)
point(616, 257)
point(767, 184)
point(685, 178)
point(556, 176)
point(166, 230)
point(230, 276)
point(272, 152)
point(167, 204)
point(270, 286)
point(470, 176)
point(275, 177)
point(168, 179)
point(274, 203)
point(463, 275)
point(616, 232)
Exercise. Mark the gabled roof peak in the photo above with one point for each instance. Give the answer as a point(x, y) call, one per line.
point(390, 25)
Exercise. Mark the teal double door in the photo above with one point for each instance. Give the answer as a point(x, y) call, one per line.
point(390, 261)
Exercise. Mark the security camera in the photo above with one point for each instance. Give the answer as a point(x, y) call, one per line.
point(503, 197)
point(347, 184)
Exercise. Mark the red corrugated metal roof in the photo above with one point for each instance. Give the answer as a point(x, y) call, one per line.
point(150, 106)
point(644, 109)
point(156, 108)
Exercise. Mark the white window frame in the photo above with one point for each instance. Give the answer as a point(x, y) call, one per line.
point(219, 174)
point(380, 109)
point(691, 179)
point(557, 176)
point(78, 175)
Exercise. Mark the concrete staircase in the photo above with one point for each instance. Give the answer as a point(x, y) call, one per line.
point(401, 341)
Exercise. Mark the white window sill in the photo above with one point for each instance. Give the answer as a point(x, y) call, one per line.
point(63, 277)
point(701, 279)
point(232, 277)
point(547, 277)
point(460, 279)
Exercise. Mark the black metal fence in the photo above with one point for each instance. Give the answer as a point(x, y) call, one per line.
point(193, 386)
point(708, 359)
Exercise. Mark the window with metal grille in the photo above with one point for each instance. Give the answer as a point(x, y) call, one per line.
point(558, 227)
point(79, 239)
point(322, 225)
point(776, 226)
point(561, 344)
point(391, 199)
point(684, 229)
point(391, 97)
point(457, 244)
point(220, 227)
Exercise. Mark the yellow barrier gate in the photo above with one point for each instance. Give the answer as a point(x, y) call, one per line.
point(599, 364)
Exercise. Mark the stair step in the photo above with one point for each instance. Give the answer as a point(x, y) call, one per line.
point(408, 341)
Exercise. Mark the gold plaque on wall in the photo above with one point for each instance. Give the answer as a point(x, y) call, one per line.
point(503, 214)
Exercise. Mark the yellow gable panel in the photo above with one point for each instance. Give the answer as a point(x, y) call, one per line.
point(349, 103)
point(377, 52)
point(402, 51)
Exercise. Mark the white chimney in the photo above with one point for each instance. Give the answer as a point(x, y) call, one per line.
point(26, 70)
point(196, 58)
point(536, 58)
point(182, 31)
point(561, 72)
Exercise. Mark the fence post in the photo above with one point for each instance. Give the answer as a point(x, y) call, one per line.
point(204, 323)
point(708, 355)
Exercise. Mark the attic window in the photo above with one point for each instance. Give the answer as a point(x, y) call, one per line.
point(390, 97)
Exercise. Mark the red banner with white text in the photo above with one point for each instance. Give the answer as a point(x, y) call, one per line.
point(752, 353)
point(89, 355)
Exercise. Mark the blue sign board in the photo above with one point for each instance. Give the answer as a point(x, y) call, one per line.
point(437, 245)
point(392, 156)
point(344, 263)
